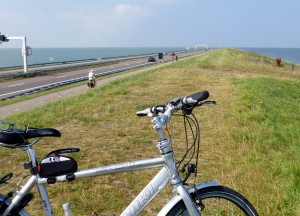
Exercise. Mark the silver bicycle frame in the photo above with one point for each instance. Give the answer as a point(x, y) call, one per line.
point(135, 207)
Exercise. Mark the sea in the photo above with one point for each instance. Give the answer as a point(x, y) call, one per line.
point(12, 57)
point(286, 54)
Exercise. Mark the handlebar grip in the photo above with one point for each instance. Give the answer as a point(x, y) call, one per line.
point(195, 98)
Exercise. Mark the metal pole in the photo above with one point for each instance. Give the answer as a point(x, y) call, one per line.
point(25, 55)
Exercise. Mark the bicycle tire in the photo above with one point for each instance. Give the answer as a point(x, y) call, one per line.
point(216, 200)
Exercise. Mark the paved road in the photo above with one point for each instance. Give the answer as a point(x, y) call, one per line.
point(16, 87)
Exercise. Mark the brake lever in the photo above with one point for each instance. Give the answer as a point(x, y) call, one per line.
point(207, 103)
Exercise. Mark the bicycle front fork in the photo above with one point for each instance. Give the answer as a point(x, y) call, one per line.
point(188, 201)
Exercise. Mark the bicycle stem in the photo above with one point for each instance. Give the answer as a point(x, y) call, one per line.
point(163, 145)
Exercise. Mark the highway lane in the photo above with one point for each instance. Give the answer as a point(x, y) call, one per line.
point(16, 87)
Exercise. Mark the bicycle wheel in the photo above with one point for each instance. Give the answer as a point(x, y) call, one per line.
point(218, 200)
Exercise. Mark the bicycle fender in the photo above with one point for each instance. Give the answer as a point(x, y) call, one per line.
point(176, 198)
point(7, 201)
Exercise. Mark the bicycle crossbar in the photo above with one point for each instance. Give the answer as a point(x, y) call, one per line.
point(111, 169)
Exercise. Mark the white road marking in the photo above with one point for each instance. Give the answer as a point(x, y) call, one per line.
point(16, 85)
point(61, 76)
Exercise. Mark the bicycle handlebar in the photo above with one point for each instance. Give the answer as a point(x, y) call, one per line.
point(186, 104)
point(155, 109)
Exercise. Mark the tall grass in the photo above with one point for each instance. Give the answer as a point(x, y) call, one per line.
point(249, 141)
point(269, 121)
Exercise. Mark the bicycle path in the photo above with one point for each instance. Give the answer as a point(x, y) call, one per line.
point(26, 105)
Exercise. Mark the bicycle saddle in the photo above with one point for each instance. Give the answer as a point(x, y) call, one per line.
point(15, 138)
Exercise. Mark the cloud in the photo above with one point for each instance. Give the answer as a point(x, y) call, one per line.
point(105, 15)
point(90, 24)
point(127, 8)
point(100, 23)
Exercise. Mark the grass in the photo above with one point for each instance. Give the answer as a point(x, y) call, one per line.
point(249, 140)
point(270, 121)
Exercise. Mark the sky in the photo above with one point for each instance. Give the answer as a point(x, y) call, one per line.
point(151, 23)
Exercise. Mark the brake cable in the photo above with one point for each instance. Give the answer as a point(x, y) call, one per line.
point(195, 130)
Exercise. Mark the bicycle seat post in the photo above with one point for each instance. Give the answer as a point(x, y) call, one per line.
point(32, 156)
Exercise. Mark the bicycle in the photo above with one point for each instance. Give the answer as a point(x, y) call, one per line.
point(206, 198)
point(91, 83)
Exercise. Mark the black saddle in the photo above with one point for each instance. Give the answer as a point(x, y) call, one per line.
point(15, 138)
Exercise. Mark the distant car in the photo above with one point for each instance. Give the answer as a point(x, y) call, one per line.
point(151, 59)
